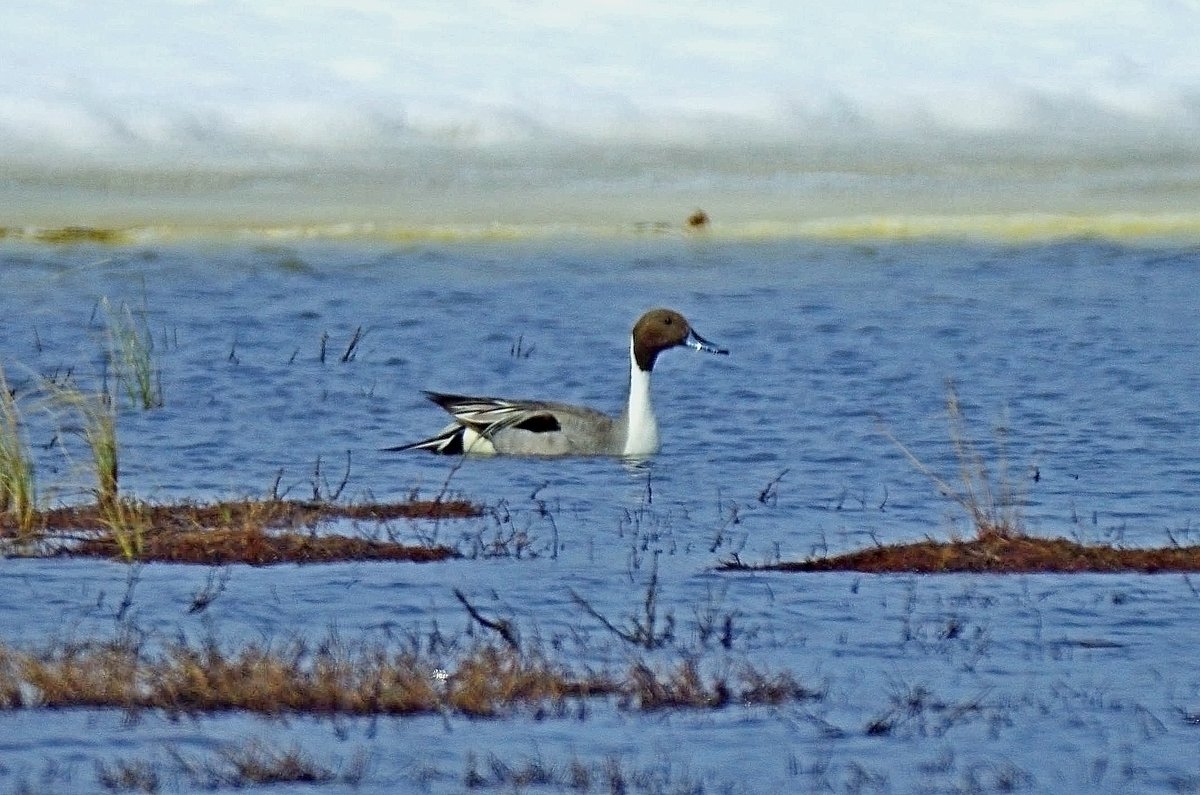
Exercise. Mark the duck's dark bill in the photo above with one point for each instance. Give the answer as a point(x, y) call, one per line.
point(694, 340)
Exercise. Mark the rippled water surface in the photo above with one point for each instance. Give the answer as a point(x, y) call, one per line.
point(1077, 364)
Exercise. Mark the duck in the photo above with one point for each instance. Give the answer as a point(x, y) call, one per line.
point(502, 426)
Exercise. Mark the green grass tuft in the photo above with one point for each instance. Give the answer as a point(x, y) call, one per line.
point(98, 413)
point(131, 351)
point(18, 487)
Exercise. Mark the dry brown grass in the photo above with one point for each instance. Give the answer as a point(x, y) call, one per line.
point(685, 687)
point(333, 678)
point(611, 775)
point(995, 553)
point(257, 765)
point(682, 687)
point(330, 680)
point(493, 679)
point(994, 507)
point(188, 680)
point(257, 532)
point(237, 765)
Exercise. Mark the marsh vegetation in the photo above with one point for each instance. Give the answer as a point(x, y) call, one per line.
point(1000, 544)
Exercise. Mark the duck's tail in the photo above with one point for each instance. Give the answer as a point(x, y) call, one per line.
point(448, 442)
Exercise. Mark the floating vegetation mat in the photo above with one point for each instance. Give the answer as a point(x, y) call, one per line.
point(257, 532)
point(994, 553)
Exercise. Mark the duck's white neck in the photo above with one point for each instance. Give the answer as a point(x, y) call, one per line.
point(641, 435)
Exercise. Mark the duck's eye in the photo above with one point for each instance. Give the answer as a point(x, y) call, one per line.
point(668, 321)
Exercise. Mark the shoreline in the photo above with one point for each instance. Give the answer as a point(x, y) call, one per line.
point(1017, 228)
point(877, 191)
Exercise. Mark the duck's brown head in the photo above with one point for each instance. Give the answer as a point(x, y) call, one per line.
point(660, 329)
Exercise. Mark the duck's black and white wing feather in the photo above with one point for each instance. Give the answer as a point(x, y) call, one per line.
point(478, 418)
point(489, 415)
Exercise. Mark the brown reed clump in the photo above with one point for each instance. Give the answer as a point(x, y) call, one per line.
point(682, 687)
point(329, 680)
point(132, 775)
point(494, 679)
point(80, 675)
point(997, 554)
point(258, 765)
point(334, 678)
point(186, 679)
point(762, 688)
point(233, 766)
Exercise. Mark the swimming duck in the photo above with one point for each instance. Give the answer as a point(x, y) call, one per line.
point(490, 426)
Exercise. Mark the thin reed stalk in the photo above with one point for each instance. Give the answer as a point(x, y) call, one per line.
point(993, 510)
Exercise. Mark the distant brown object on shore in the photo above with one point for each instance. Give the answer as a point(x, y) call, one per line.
point(698, 220)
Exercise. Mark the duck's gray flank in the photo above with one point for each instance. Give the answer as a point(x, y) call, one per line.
point(490, 425)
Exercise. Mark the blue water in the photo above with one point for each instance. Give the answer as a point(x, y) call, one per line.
point(1077, 364)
